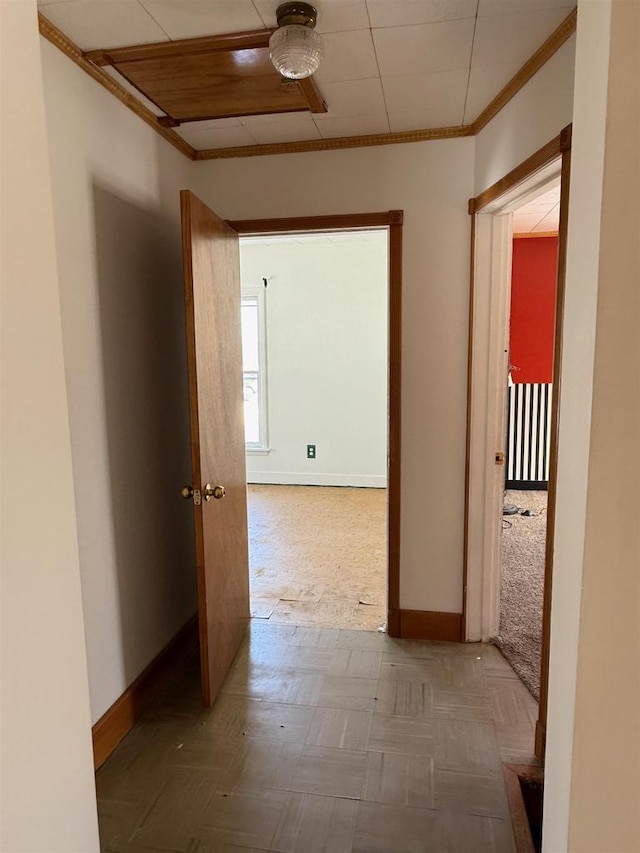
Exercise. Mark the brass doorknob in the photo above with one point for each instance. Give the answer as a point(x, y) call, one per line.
point(217, 492)
point(186, 492)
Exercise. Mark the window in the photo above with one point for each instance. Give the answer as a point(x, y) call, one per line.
point(254, 369)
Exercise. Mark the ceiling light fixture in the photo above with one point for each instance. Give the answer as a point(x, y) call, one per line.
point(295, 47)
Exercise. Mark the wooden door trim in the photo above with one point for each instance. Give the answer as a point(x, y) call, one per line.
point(541, 723)
point(559, 146)
point(393, 220)
point(538, 160)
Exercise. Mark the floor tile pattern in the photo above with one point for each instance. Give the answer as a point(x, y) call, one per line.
point(326, 740)
point(318, 555)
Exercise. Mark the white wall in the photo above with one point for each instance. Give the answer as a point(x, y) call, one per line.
point(326, 336)
point(583, 246)
point(540, 110)
point(47, 788)
point(605, 814)
point(115, 190)
point(432, 182)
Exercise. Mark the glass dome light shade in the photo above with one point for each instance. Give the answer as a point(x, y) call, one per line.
point(296, 51)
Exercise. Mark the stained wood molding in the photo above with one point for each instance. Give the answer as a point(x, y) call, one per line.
point(544, 53)
point(335, 143)
point(115, 723)
point(57, 38)
point(426, 625)
point(533, 234)
point(91, 60)
point(512, 773)
point(335, 222)
point(393, 220)
point(542, 157)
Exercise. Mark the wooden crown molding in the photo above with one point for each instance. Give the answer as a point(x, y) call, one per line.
point(57, 38)
point(91, 60)
point(335, 143)
point(544, 53)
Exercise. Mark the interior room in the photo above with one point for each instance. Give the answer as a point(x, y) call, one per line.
point(314, 322)
point(143, 708)
point(528, 440)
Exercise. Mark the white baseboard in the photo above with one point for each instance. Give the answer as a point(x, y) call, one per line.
point(280, 478)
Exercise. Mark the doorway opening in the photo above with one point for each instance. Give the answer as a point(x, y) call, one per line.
point(492, 214)
point(534, 276)
point(315, 320)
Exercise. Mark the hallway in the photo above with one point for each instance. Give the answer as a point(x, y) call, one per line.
point(325, 740)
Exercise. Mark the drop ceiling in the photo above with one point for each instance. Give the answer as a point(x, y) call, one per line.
point(389, 65)
point(541, 215)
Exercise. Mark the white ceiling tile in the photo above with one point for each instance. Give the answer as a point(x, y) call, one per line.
point(361, 126)
point(352, 98)
point(347, 56)
point(443, 116)
point(133, 91)
point(507, 7)
point(223, 137)
point(550, 221)
point(523, 222)
point(182, 19)
point(275, 118)
point(105, 23)
point(424, 48)
point(552, 197)
point(333, 15)
point(502, 39)
point(484, 85)
point(266, 134)
point(443, 92)
point(392, 13)
point(212, 123)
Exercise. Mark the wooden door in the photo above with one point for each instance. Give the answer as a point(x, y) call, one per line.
point(211, 260)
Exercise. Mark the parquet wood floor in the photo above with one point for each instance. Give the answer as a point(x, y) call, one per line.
point(318, 555)
point(325, 741)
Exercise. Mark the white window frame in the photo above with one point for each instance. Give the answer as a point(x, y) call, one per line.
point(257, 293)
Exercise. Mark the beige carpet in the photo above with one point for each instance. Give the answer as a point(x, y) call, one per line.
point(523, 543)
point(318, 555)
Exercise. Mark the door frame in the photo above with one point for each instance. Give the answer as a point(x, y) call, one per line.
point(490, 278)
point(392, 220)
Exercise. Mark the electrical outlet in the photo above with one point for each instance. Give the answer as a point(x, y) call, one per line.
point(311, 451)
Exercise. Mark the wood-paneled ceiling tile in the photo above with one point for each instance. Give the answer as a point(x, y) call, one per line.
point(193, 18)
point(347, 56)
point(353, 98)
point(220, 137)
point(424, 48)
point(333, 15)
point(391, 13)
point(133, 91)
point(299, 131)
point(484, 85)
point(507, 7)
point(360, 126)
point(98, 23)
point(423, 92)
point(503, 39)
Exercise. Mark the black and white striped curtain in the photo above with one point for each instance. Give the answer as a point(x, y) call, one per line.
point(528, 436)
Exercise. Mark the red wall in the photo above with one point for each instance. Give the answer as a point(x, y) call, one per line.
point(533, 295)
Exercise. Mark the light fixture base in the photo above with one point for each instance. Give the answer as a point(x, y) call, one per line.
point(302, 14)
